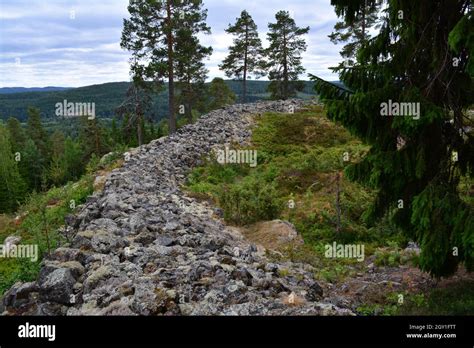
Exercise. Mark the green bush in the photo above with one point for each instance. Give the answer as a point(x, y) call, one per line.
point(249, 201)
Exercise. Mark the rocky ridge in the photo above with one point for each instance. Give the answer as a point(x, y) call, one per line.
point(141, 246)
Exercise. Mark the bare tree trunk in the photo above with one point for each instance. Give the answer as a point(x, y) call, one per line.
point(244, 97)
point(285, 69)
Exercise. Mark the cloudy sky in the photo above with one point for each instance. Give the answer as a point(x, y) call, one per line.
point(74, 43)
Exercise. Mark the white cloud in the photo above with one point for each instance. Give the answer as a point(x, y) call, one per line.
point(57, 50)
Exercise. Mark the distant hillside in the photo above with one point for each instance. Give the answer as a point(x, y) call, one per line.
point(107, 97)
point(10, 90)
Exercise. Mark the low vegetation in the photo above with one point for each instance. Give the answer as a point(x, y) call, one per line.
point(39, 219)
point(300, 158)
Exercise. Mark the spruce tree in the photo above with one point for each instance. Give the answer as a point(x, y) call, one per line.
point(246, 53)
point(17, 134)
point(57, 143)
point(284, 56)
point(151, 33)
point(12, 186)
point(36, 132)
point(32, 166)
point(92, 137)
point(422, 54)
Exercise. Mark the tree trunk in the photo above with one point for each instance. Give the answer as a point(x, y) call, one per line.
point(285, 68)
point(139, 117)
point(171, 115)
point(140, 130)
point(188, 107)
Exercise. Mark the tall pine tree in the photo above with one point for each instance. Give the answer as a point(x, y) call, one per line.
point(191, 71)
point(284, 56)
point(422, 54)
point(151, 35)
point(245, 54)
point(356, 32)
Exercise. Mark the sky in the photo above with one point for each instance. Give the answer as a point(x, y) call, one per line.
point(73, 43)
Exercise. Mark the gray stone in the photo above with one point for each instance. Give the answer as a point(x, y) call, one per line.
point(57, 286)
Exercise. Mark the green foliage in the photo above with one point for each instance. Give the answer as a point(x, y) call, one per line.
point(36, 132)
point(219, 94)
point(108, 96)
point(92, 138)
point(356, 32)
point(17, 134)
point(284, 56)
point(390, 258)
point(298, 157)
point(191, 71)
point(43, 214)
point(12, 186)
point(455, 299)
point(250, 201)
point(246, 53)
point(162, 48)
point(412, 159)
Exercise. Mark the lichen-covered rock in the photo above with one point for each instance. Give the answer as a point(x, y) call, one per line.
point(57, 286)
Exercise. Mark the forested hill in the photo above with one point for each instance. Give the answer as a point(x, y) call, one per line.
point(11, 90)
point(108, 96)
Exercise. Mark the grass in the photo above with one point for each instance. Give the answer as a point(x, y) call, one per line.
point(457, 299)
point(299, 157)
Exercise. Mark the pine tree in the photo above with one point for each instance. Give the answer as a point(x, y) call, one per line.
point(422, 54)
point(137, 102)
point(191, 71)
point(220, 94)
point(284, 56)
point(151, 34)
point(246, 53)
point(92, 137)
point(12, 186)
point(356, 32)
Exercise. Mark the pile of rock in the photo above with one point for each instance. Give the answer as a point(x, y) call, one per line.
point(141, 246)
